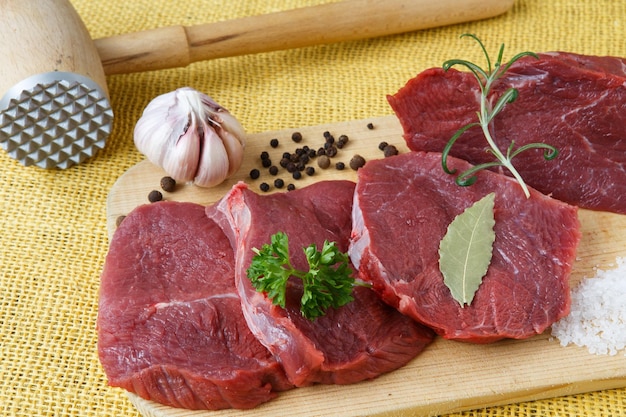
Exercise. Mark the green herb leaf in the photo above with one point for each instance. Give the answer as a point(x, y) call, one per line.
point(466, 249)
point(327, 283)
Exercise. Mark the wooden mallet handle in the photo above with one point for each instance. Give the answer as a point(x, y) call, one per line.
point(179, 46)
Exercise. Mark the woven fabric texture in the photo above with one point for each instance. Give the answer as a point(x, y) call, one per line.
point(53, 228)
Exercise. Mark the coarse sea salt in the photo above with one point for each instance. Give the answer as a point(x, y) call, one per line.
point(597, 319)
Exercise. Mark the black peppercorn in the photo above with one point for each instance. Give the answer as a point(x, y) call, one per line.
point(168, 184)
point(154, 196)
point(274, 143)
point(265, 155)
point(297, 175)
point(342, 141)
point(370, 126)
point(279, 183)
point(255, 173)
point(264, 186)
point(273, 170)
point(296, 137)
point(291, 187)
point(340, 166)
point(357, 162)
point(390, 150)
point(310, 171)
point(331, 151)
point(119, 220)
point(266, 163)
point(382, 145)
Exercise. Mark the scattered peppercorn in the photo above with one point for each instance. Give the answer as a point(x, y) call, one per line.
point(297, 175)
point(310, 171)
point(168, 184)
point(296, 137)
point(340, 166)
point(265, 155)
point(321, 151)
point(291, 187)
point(342, 141)
point(390, 150)
point(382, 145)
point(274, 143)
point(357, 162)
point(154, 196)
point(286, 155)
point(264, 186)
point(279, 183)
point(273, 170)
point(255, 173)
point(331, 151)
point(119, 220)
point(266, 163)
point(370, 126)
point(323, 161)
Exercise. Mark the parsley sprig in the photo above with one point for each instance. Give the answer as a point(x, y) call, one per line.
point(486, 79)
point(327, 283)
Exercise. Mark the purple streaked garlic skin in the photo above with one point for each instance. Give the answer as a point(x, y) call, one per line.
point(191, 137)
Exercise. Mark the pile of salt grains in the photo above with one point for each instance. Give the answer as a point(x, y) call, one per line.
point(597, 319)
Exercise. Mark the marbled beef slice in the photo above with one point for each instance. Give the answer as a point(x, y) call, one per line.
point(403, 207)
point(576, 103)
point(170, 325)
point(358, 341)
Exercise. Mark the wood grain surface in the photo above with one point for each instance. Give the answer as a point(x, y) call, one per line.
point(448, 376)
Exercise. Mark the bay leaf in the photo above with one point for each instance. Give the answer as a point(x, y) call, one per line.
point(466, 249)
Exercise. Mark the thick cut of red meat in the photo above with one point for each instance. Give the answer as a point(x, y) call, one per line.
point(358, 341)
point(170, 326)
point(403, 206)
point(576, 103)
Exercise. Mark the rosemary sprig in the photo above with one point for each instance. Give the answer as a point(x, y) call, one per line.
point(486, 114)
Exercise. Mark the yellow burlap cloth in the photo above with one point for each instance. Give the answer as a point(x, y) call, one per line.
point(53, 229)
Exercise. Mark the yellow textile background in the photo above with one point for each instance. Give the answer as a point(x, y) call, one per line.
point(53, 231)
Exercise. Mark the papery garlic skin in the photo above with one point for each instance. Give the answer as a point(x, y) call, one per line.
point(191, 137)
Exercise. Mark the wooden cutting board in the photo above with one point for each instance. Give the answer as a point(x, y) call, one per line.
point(448, 376)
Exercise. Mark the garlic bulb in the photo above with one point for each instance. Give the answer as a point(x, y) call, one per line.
point(191, 137)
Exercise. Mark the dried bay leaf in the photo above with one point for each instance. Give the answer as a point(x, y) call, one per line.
point(466, 249)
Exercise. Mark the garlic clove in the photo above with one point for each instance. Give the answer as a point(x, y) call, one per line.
point(183, 154)
point(191, 137)
point(214, 163)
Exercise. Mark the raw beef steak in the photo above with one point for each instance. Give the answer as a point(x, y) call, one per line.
point(170, 326)
point(358, 341)
point(576, 103)
point(402, 208)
